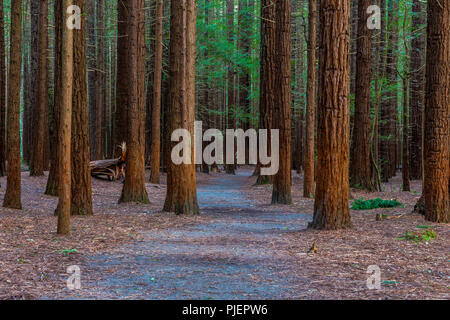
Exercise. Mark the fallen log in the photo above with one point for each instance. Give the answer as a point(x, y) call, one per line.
point(110, 169)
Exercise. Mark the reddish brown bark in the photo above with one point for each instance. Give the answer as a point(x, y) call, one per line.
point(65, 124)
point(120, 117)
point(2, 96)
point(181, 195)
point(417, 89)
point(100, 78)
point(90, 5)
point(331, 209)
point(134, 186)
point(53, 177)
point(245, 23)
point(389, 112)
point(229, 168)
point(155, 150)
point(81, 199)
point(309, 152)
point(267, 73)
point(360, 165)
point(13, 188)
point(437, 112)
point(37, 165)
point(282, 107)
point(31, 101)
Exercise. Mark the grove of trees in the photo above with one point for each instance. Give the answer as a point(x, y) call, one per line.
point(354, 103)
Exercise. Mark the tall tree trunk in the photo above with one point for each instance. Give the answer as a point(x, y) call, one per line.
point(2, 95)
point(81, 200)
point(360, 167)
point(331, 209)
point(92, 62)
point(120, 118)
point(388, 129)
point(229, 168)
point(37, 165)
point(99, 100)
point(405, 151)
point(309, 158)
point(53, 177)
point(134, 186)
point(267, 73)
point(13, 188)
point(245, 32)
point(65, 124)
point(416, 86)
point(181, 195)
point(437, 102)
point(32, 85)
point(282, 109)
point(155, 150)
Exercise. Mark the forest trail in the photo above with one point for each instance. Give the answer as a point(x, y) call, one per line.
point(235, 256)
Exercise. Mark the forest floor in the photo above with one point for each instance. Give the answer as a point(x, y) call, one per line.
point(240, 247)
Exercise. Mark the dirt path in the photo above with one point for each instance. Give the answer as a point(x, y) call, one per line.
point(234, 256)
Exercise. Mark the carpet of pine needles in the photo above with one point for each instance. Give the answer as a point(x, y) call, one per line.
point(33, 266)
point(339, 268)
point(32, 259)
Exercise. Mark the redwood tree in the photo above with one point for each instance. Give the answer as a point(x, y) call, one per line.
point(13, 189)
point(360, 168)
point(309, 150)
point(120, 117)
point(230, 124)
point(81, 199)
point(155, 150)
point(416, 98)
point(134, 186)
point(65, 124)
point(100, 83)
point(181, 196)
point(2, 95)
point(37, 165)
point(282, 107)
point(437, 112)
point(53, 176)
point(331, 209)
point(267, 73)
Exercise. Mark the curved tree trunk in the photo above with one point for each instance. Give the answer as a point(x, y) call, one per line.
point(282, 109)
point(331, 209)
point(13, 189)
point(437, 102)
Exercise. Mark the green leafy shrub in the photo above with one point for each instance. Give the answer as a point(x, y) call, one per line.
point(419, 236)
point(361, 204)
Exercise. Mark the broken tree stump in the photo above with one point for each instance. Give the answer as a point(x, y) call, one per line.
point(110, 169)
